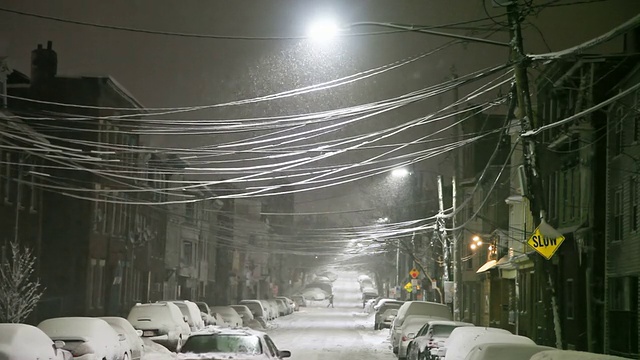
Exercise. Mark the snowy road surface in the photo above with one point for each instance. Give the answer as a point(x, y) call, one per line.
point(315, 332)
point(345, 332)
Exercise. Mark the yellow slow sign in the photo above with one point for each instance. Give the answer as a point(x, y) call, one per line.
point(545, 245)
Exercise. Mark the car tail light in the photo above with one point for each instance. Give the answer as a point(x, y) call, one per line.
point(404, 338)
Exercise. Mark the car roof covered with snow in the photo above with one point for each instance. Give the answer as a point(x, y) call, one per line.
point(155, 313)
point(426, 308)
point(78, 328)
point(572, 355)
point(508, 351)
point(462, 345)
point(225, 310)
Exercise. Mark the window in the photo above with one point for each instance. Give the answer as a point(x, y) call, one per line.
point(623, 315)
point(189, 211)
point(618, 140)
point(96, 283)
point(633, 204)
point(187, 253)
point(617, 215)
point(272, 347)
point(570, 299)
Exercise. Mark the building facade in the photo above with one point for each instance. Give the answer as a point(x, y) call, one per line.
point(623, 234)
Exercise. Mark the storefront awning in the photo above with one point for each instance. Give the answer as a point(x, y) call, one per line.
point(486, 267)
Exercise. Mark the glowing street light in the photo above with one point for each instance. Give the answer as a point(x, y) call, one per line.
point(324, 29)
point(399, 172)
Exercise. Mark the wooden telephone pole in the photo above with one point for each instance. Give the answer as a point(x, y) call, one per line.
point(534, 191)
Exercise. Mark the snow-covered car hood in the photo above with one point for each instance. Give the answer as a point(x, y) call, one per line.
point(221, 356)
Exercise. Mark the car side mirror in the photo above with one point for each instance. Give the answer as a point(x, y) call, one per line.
point(284, 353)
point(122, 337)
point(58, 344)
point(185, 319)
point(139, 333)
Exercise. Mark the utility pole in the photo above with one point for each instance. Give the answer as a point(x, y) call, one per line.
point(535, 191)
point(440, 230)
point(457, 271)
point(457, 243)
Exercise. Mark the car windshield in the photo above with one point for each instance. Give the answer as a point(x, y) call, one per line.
point(223, 343)
point(254, 307)
point(443, 330)
point(202, 307)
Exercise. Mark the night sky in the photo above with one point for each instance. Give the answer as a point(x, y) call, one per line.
point(170, 71)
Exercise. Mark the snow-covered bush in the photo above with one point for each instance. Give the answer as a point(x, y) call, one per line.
point(19, 292)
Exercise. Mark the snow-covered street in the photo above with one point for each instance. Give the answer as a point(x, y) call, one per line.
point(343, 332)
point(317, 332)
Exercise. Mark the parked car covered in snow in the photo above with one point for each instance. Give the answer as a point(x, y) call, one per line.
point(248, 319)
point(428, 338)
point(283, 307)
point(237, 344)
point(258, 309)
point(191, 311)
point(572, 355)
point(386, 318)
point(229, 315)
point(134, 344)
point(86, 337)
point(272, 309)
point(290, 303)
point(506, 351)
point(22, 341)
point(463, 339)
point(205, 313)
point(299, 300)
point(314, 294)
point(435, 311)
point(382, 314)
point(163, 323)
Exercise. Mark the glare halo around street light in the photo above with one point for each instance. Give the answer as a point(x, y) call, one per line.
point(400, 172)
point(324, 29)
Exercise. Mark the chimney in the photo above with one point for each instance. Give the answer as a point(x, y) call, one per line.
point(44, 65)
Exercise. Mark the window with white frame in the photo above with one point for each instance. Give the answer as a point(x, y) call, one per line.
point(617, 214)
